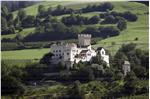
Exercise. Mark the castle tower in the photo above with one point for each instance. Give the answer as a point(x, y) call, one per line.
point(84, 39)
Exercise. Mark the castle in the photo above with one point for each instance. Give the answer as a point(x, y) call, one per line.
point(73, 53)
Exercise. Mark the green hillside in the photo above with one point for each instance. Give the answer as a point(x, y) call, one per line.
point(138, 29)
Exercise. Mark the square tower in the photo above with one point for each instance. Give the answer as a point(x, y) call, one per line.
point(84, 39)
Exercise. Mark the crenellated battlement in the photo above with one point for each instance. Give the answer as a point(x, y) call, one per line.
point(84, 39)
point(84, 35)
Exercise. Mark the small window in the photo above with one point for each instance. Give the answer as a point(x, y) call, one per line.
point(59, 50)
point(103, 52)
point(56, 51)
point(67, 53)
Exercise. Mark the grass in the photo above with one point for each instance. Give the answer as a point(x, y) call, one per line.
point(24, 33)
point(24, 54)
point(138, 29)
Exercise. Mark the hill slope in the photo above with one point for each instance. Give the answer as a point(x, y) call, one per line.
point(138, 29)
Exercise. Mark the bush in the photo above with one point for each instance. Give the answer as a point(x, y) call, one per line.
point(91, 30)
point(29, 21)
point(101, 7)
point(109, 31)
point(94, 19)
point(130, 16)
point(122, 25)
point(110, 19)
point(46, 59)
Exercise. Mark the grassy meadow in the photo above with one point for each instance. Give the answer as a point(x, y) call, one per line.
point(25, 54)
point(138, 29)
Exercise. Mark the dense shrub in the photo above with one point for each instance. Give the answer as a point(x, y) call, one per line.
point(46, 59)
point(122, 25)
point(29, 21)
point(110, 19)
point(103, 7)
point(11, 79)
point(109, 31)
point(130, 16)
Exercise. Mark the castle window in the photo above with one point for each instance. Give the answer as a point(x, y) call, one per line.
point(67, 53)
point(59, 50)
point(103, 53)
point(56, 51)
point(89, 54)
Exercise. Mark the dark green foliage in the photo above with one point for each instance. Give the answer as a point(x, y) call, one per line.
point(74, 20)
point(110, 19)
point(118, 75)
point(140, 71)
point(29, 21)
point(96, 89)
point(137, 58)
point(91, 30)
point(98, 70)
point(80, 20)
point(4, 11)
point(136, 39)
point(76, 91)
point(34, 71)
point(51, 31)
point(4, 25)
point(46, 59)
point(130, 16)
point(103, 32)
point(97, 60)
point(11, 79)
point(15, 5)
point(22, 14)
point(7, 21)
point(109, 31)
point(60, 10)
point(86, 74)
point(61, 66)
point(131, 84)
point(127, 47)
point(94, 20)
point(122, 25)
point(119, 59)
point(41, 11)
point(101, 7)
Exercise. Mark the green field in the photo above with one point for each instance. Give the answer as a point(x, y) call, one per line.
point(24, 33)
point(24, 54)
